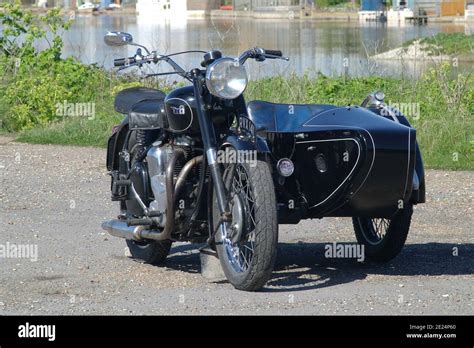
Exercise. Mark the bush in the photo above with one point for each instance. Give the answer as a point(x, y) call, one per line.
point(34, 92)
point(36, 81)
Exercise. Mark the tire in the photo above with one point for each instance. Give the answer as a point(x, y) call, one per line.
point(153, 252)
point(150, 251)
point(259, 227)
point(386, 247)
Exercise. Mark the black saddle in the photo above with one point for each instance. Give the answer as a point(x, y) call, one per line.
point(125, 100)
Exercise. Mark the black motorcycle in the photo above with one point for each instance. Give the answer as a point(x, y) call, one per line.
point(201, 165)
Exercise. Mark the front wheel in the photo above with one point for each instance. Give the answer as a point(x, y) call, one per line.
point(383, 239)
point(247, 246)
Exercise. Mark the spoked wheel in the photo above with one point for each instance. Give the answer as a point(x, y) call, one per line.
point(383, 238)
point(247, 245)
point(374, 234)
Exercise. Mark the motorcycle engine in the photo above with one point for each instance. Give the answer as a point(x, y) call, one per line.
point(157, 159)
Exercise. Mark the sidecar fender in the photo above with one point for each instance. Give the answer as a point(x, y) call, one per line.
point(419, 191)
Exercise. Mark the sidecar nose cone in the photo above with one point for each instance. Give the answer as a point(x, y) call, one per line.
point(285, 167)
point(379, 95)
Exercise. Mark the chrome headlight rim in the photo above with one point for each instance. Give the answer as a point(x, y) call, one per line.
point(210, 83)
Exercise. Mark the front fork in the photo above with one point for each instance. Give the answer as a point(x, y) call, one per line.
point(210, 148)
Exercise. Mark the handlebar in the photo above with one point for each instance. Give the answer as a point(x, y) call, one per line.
point(260, 54)
point(277, 53)
point(257, 53)
point(124, 61)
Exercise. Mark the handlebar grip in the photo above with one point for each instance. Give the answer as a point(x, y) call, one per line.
point(277, 53)
point(123, 61)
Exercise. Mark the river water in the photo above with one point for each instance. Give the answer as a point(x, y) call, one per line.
point(332, 48)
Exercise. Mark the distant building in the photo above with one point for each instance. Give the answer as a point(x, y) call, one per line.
point(270, 5)
point(372, 5)
point(469, 13)
point(452, 7)
point(434, 8)
point(401, 4)
point(177, 7)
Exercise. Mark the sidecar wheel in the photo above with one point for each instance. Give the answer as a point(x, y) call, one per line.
point(247, 246)
point(383, 238)
point(153, 252)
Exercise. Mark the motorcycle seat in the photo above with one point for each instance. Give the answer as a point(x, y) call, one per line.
point(274, 117)
point(127, 98)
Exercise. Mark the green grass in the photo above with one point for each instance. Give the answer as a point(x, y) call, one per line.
point(3, 108)
point(79, 131)
point(447, 43)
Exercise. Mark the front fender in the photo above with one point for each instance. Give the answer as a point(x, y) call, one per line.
point(240, 143)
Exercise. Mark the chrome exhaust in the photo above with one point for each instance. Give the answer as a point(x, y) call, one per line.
point(119, 228)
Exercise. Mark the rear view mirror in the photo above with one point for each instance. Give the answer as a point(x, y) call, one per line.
point(118, 38)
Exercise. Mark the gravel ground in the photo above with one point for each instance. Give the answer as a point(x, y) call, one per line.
point(56, 198)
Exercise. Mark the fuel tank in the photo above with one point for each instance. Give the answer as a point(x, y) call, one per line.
point(180, 106)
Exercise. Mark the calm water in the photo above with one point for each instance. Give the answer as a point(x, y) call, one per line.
point(312, 46)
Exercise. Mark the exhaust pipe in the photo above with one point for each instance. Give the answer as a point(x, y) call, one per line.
point(183, 175)
point(119, 228)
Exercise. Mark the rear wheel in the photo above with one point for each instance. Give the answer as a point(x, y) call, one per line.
point(154, 252)
point(383, 238)
point(247, 246)
point(149, 251)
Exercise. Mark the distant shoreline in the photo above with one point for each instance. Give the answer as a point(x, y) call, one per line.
point(347, 16)
point(440, 47)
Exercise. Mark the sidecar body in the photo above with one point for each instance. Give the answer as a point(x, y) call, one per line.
point(348, 161)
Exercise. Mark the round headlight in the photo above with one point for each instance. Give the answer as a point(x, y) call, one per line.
point(226, 78)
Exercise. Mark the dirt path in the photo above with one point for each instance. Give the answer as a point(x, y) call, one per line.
point(56, 198)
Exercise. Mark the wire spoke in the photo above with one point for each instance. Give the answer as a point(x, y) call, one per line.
point(242, 251)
